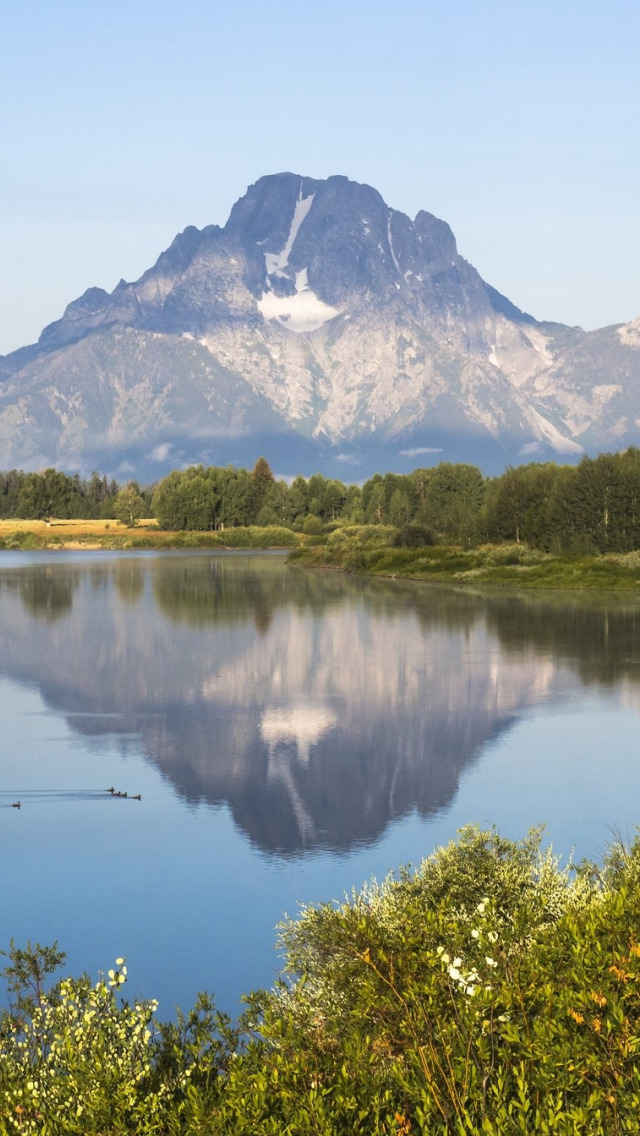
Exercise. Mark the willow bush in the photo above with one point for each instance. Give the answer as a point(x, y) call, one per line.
point(490, 991)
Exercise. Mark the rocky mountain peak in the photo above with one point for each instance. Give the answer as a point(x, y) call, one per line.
point(341, 233)
point(335, 324)
point(298, 251)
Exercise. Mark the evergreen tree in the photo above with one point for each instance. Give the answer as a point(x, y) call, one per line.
point(10, 485)
point(296, 503)
point(262, 481)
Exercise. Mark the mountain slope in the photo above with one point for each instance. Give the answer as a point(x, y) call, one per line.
point(325, 329)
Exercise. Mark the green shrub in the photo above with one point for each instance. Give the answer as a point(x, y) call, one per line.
point(79, 1059)
point(491, 991)
point(504, 555)
point(312, 526)
point(414, 536)
point(378, 535)
point(257, 536)
point(23, 539)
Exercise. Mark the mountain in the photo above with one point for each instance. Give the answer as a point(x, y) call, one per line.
point(321, 328)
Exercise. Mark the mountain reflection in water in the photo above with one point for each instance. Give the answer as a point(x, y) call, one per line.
point(319, 707)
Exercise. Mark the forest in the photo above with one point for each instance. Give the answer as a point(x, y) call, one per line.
point(42, 496)
point(589, 508)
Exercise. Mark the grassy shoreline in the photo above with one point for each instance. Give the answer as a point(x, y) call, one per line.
point(359, 549)
point(368, 550)
point(76, 535)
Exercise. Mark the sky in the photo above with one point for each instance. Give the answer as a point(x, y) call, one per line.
point(516, 122)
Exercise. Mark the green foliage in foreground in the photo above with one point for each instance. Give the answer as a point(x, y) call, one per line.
point(490, 991)
point(373, 550)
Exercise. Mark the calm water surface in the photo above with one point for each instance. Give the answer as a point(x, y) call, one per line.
point(291, 734)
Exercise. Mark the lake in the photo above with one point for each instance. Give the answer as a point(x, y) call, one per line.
point(291, 734)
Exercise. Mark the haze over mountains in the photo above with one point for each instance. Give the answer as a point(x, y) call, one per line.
point(322, 329)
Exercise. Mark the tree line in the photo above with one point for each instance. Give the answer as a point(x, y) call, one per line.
point(213, 498)
point(51, 493)
point(593, 507)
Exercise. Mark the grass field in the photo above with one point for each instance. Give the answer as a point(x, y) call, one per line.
point(78, 534)
point(74, 533)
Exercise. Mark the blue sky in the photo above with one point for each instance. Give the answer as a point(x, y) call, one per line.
point(518, 123)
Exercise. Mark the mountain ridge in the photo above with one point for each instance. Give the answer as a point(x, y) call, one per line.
point(328, 325)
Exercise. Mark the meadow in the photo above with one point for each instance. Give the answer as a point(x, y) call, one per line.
point(31, 535)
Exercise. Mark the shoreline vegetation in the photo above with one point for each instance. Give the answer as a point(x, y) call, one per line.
point(371, 550)
point(108, 534)
point(490, 990)
point(378, 551)
point(534, 526)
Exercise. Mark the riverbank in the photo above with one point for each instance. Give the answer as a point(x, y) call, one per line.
point(369, 550)
point(109, 534)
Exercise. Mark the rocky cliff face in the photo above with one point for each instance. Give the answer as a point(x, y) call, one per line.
point(322, 328)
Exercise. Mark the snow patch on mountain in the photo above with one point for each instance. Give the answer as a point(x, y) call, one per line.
point(277, 262)
point(304, 311)
point(391, 249)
